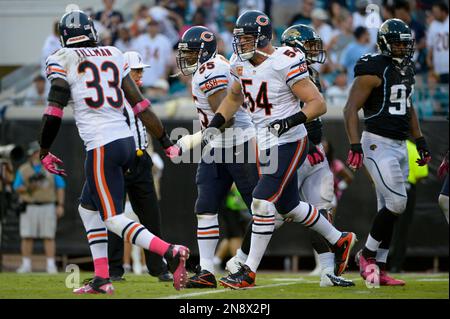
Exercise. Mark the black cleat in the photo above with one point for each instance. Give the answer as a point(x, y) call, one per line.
point(244, 278)
point(176, 257)
point(202, 279)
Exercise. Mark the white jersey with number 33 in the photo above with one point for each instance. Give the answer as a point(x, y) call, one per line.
point(268, 94)
point(95, 77)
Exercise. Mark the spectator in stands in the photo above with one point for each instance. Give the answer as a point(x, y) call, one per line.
point(354, 50)
point(319, 19)
point(43, 194)
point(105, 38)
point(304, 15)
point(370, 19)
point(110, 18)
point(51, 45)
point(140, 20)
point(335, 11)
point(402, 11)
point(124, 42)
point(227, 35)
point(245, 5)
point(437, 42)
point(170, 23)
point(37, 94)
point(343, 36)
point(337, 93)
point(156, 50)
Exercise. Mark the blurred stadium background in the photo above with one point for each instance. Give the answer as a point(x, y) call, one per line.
point(28, 37)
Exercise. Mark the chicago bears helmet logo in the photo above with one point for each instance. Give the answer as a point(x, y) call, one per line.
point(207, 36)
point(262, 20)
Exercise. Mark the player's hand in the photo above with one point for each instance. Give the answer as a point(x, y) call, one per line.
point(172, 151)
point(279, 127)
point(424, 153)
point(315, 155)
point(51, 163)
point(209, 134)
point(443, 168)
point(355, 156)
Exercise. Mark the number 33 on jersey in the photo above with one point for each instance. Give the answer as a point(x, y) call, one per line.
point(95, 78)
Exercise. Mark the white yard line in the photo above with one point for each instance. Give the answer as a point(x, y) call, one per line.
point(194, 294)
point(432, 279)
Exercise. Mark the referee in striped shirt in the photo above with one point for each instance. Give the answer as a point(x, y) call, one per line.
point(140, 188)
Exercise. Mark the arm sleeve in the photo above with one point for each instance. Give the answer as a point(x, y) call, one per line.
point(294, 68)
point(54, 67)
point(213, 80)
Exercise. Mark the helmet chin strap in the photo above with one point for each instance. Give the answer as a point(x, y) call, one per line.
point(262, 53)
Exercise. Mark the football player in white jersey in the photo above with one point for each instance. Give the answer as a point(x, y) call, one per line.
point(97, 80)
point(210, 82)
point(272, 81)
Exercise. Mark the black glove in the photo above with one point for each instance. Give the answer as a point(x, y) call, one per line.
point(279, 127)
point(424, 153)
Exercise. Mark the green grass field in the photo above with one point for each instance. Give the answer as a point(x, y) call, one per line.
point(269, 286)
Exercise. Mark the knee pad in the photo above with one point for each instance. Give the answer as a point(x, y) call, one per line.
point(263, 207)
point(396, 204)
point(279, 220)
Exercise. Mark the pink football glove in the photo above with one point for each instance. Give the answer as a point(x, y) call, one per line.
point(355, 157)
point(51, 163)
point(173, 151)
point(443, 168)
point(315, 156)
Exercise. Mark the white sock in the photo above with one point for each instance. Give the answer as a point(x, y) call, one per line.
point(372, 244)
point(241, 255)
point(134, 233)
point(96, 232)
point(26, 262)
point(207, 239)
point(382, 255)
point(309, 216)
point(326, 260)
point(262, 229)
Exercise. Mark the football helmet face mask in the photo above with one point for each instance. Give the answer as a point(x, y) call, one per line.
point(306, 39)
point(253, 30)
point(197, 45)
point(395, 40)
point(77, 29)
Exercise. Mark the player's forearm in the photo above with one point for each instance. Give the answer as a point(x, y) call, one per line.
point(351, 120)
point(414, 124)
point(60, 196)
point(225, 112)
point(314, 108)
point(152, 123)
point(51, 122)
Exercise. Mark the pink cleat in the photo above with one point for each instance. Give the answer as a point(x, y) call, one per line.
point(97, 285)
point(366, 266)
point(176, 257)
point(386, 280)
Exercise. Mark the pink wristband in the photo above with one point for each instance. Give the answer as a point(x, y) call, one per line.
point(141, 106)
point(53, 111)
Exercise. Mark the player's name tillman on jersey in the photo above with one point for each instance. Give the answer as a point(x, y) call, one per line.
point(86, 52)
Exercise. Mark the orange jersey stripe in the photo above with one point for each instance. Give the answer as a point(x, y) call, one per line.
point(210, 232)
point(130, 232)
point(56, 69)
point(293, 72)
point(218, 82)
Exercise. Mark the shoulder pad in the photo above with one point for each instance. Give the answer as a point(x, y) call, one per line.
point(283, 60)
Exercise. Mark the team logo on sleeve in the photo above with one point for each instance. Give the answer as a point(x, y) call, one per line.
point(207, 36)
point(240, 70)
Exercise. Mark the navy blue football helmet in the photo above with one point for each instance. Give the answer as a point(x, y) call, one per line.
point(254, 23)
point(77, 29)
point(197, 45)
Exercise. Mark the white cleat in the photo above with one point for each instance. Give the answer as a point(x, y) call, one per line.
point(329, 279)
point(23, 270)
point(234, 264)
